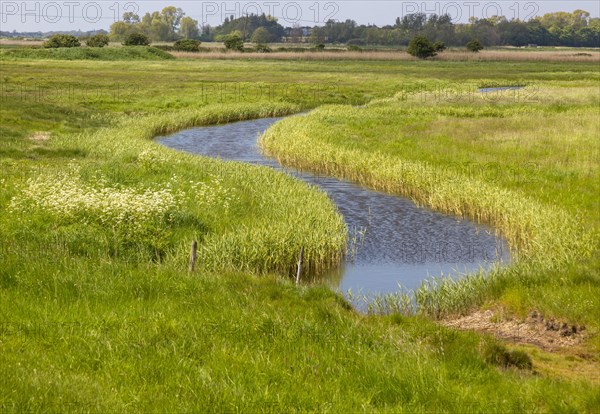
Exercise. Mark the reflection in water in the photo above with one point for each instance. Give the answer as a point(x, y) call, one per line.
point(500, 89)
point(393, 241)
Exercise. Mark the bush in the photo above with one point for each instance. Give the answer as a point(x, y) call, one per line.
point(354, 48)
point(261, 36)
point(421, 47)
point(61, 40)
point(234, 42)
point(99, 40)
point(320, 47)
point(187, 45)
point(439, 46)
point(263, 49)
point(136, 39)
point(474, 46)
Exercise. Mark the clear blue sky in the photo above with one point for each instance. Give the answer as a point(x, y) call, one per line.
point(99, 14)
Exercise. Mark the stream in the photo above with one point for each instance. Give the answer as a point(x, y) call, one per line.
point(397, 242)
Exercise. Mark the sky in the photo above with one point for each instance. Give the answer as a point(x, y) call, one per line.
point(32, 16)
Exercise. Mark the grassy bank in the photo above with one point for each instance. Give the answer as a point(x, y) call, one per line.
point(86, 53)
point(99, 313)
point(521, 161)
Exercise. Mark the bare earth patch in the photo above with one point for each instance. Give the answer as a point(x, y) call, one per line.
point(40, 136)
point(548, 334)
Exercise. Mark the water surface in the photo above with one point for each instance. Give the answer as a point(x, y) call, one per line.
point(500, 89)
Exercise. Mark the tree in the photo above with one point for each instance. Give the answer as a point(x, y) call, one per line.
point(207, 33)
point(131, 18)
point(296, 34)
point(159, 29)
point(188, 28)
point(233, 41)
point(61, 40)
point(261, 36)
point(121, 29)
point(317, 36)
point(412, 23)
point(136, 39)
point(249, 23)
point(99, 40)
point(421, 47)
point(171, 16)
point(474, 46)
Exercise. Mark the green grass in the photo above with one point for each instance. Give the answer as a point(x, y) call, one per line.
point(99, 315)
point(87, 53)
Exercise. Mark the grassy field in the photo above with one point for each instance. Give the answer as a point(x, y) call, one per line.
point(98, 312)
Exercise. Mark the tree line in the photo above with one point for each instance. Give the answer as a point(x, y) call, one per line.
point(552, 29)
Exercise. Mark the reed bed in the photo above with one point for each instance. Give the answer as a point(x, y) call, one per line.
point(396, 55)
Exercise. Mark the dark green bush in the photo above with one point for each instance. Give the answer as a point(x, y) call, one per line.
point(61, 40)
point(99, 40)
point(136, 39)
point(354, 48)
point(187, 45)
point(421, 47)
point(234, 42)
point(474, 46)
point(439, 46)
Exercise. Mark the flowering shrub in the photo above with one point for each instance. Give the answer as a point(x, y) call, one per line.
point(67, 198)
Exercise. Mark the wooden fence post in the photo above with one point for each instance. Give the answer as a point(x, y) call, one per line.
point(300, 259)
point(193, 255)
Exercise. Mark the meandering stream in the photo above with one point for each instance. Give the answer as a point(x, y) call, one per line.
point(397, 242)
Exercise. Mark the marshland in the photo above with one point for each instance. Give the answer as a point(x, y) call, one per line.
point(100, 313)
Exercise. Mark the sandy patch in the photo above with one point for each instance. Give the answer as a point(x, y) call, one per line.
point(548, 334)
